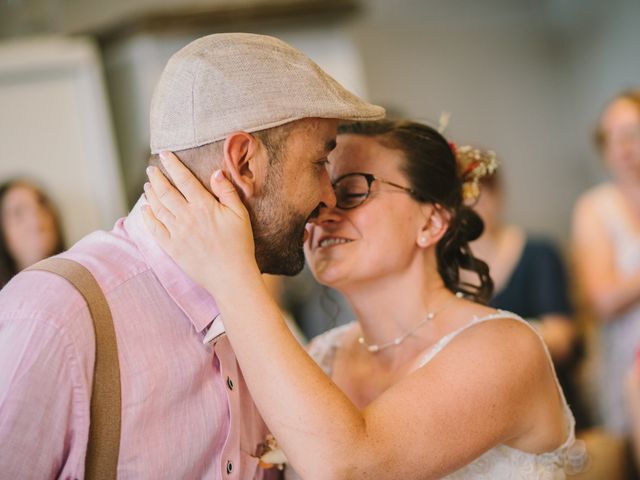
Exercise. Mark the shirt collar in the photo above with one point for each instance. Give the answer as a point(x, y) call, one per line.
point(196, 303)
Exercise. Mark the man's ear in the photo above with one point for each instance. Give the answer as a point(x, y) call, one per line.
point(245, 161)
point(434, 227)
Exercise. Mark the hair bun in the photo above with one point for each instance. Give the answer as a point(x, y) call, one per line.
point(470, 224)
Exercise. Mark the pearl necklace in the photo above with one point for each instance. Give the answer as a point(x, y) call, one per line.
point(375, 348)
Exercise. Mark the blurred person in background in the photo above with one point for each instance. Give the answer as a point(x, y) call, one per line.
point(29, 227)
point(530, 279)
point(607, 239)
point(606, 245)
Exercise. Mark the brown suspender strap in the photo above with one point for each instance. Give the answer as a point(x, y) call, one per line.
point(104, 430)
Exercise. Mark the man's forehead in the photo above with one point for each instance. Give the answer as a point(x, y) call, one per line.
point(318, 126)
point(318, 133)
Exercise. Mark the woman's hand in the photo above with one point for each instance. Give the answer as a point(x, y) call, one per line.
point(210, 238)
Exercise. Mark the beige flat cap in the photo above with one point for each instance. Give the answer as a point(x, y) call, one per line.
point(226, 82)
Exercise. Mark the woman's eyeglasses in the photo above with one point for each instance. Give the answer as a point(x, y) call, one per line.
point(353, 189)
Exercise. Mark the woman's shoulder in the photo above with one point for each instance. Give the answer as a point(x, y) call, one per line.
point(504, 338)
point(604, 192)
point(499, 337)
point(503, 325)
point(593, 213)
point(499, 360)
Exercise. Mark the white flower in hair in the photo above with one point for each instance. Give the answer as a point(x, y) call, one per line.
point(473, 163)
point(443, 122)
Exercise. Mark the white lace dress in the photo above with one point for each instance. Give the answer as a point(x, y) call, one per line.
point(499, 463)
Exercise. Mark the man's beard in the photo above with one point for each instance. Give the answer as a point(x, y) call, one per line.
point(278, 233)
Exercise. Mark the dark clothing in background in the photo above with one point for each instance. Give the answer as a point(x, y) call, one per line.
point(538, 283)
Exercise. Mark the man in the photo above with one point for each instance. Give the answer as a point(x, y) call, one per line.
point(267, 115)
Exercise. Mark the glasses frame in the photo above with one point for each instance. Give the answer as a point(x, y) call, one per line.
point(370, 179)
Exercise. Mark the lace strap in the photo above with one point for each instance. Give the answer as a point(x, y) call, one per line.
point(323, 348)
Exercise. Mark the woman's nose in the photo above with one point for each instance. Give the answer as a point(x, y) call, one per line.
point(326, 215)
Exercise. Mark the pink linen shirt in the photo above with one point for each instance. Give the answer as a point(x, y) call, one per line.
point(186, 410)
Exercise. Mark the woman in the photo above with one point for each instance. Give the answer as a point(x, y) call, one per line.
point(427, 382)
point(606, 244)
point(29, 228)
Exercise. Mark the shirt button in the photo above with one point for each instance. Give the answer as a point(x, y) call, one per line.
point(229, 383)
point(229, 467)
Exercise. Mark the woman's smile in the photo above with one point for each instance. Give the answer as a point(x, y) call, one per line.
point(332, 241)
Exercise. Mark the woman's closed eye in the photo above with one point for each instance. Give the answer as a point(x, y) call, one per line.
point(352, 195)
point(350, 199)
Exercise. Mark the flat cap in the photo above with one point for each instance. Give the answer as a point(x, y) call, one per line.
point(226, 82)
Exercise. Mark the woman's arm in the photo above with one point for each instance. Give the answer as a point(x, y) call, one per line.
point(430, 423)
point(608, 292)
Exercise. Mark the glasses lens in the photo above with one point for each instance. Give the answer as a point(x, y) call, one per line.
point(351, 191)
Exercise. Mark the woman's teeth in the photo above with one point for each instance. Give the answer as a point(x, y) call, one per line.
point(327, 242)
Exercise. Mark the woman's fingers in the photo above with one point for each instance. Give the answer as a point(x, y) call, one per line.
point(166, 193)
point(227, 193)
point(161, 214)
point(182, 178)
point(155, 226)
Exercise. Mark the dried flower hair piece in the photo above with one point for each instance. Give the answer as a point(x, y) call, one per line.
point(473, 164)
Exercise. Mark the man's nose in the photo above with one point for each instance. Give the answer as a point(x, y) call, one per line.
point(328, 197)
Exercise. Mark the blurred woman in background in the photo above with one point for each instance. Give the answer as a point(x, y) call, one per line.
point(606, 244)
point(29, 228)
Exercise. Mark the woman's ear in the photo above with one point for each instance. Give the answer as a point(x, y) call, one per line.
point(434, 227)
point(245, 161)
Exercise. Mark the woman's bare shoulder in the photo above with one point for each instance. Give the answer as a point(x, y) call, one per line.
point(597, 195)
point(497, 344)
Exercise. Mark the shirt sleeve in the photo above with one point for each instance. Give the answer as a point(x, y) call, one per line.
point(44, 414)
point(549, 281)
